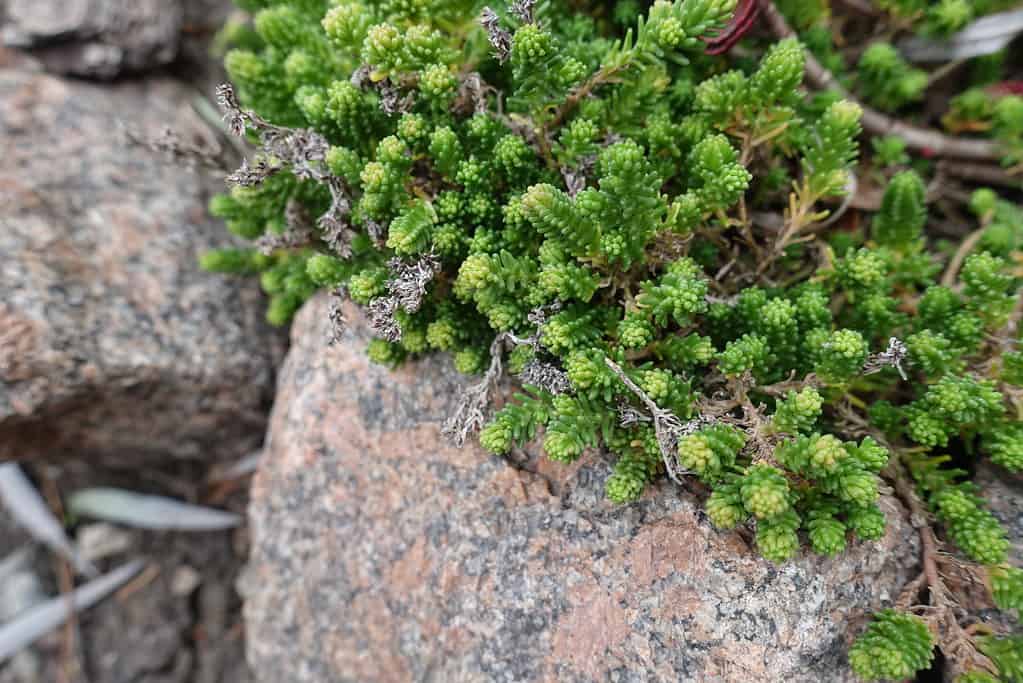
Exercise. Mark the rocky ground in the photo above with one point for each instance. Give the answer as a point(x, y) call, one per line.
point(121, 363)
point(179, 621)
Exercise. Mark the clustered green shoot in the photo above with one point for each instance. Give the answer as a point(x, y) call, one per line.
point(991, 111)
point(658, 245)
point(991, 103)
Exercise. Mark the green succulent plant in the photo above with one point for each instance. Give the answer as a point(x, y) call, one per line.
point(651, 239)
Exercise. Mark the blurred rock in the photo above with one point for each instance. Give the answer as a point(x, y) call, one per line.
point(112, 342)
point(185, 581)
point(100, 540)
point(1003, 492)
point(20, 590)
point(96, 38)
point(104, 39)
point(198, 62)
point(380, 553)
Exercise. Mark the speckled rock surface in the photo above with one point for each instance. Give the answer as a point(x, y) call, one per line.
point(1004, 494)
point(96, 38)
point(382, 554)
point(112, 341)
point(104, 39)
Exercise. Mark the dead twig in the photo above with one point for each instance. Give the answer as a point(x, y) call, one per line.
point(141, 581)
point(667, 426)
point(70, 647)
point(987, 174)
point(965, 247)
point(917, 138)
point(897, 474)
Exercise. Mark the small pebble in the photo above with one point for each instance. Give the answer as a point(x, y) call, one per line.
point(185, 581)
point(100, 540)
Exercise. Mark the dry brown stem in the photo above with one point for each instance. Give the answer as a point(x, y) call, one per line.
point(916, 137)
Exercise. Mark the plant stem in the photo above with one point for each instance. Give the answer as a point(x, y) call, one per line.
point(916, 137)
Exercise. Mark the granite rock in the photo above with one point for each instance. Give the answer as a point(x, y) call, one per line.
point(380, 553)
point(104, 39)
point(96, 38)
point(112, 341)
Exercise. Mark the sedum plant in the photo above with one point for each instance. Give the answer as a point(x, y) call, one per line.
point(656, 240)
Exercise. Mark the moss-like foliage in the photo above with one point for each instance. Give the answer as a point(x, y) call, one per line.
point(659, 245)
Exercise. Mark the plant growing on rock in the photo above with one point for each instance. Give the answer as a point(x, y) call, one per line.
point(659, 244)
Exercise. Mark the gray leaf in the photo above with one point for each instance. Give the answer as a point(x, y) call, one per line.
point(148, 512)
point(981, 37)
point(30, 511)
point(37, 621)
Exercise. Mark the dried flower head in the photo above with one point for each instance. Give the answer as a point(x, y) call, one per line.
point(236, 119)
point(523, 10)
point(334, 223)
point(336, 317)
point(409, 280)
point(298, 233)
point(474, 406)
point(248, 175)
point(545, 376)
point(893, 356)
point(381, 318)
point(472, 94)
point(392, 102)
point(499, 38)
point(360, 78)
point(630, 416)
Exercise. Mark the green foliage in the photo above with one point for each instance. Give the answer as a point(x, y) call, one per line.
point(900, 222)
point(841, 356)
point(887, 80)
point(676, 297)
point(976, 677)
point(895, 646)
point(516, 423)
point(1000, 116)
point(712, 451)
point(948, 16)
point(659, 244)
point(986, 287)
point(798, 412)
point(962, 512)
point(831, 148)
point(776, 536)
point(638, 463)
point(765, 491)
point(951, 406)
point(975, 530)
point(1007, 587)
point(1006, 654)
point(889, 151)
point(1004, 443)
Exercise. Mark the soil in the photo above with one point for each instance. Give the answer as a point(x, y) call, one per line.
point(178, 621)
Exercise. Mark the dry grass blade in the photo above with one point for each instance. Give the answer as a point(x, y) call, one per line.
point(982, 37)
point(236, 470)
point(30, 511)
point(148, 512)
point(40, 620)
